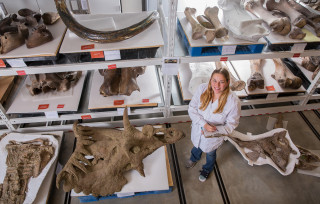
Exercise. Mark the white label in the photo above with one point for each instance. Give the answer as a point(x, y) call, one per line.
point(84, 4)
point(121, 110)
point(74, 5)
point(272, 96)
point(121, 195)
point(59, 168)
point(298, 47)
point(16, 62)
point(112, 55)
point(51, 114)
point(228, 49)
point(170, 65)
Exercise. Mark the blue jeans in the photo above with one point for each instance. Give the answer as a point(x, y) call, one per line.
point(210, 157)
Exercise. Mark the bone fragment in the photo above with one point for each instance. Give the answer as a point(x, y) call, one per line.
point(49, 18)
point(315, 73)
point(256, 79)
point(281, 26)
point(235, 84)
point(296, 18)
point(310, 63)
point(306, 12)
point(284, 77)
point(197, 29)
point(39, 36)
point(10, 41)
point(205, 22)
point(212, 14)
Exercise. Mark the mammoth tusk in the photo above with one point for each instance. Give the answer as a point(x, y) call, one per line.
point(102, 36)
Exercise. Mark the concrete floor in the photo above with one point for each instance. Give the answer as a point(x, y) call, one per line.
point(243, 183)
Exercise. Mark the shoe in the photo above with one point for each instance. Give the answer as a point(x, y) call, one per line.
point(203, 175)
point(190, 164)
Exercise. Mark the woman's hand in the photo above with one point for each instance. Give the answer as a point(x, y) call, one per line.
point(210, 128)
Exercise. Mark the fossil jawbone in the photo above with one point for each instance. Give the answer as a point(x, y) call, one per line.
point(102, 36)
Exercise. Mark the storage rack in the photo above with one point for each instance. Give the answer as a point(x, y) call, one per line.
point(168, 113)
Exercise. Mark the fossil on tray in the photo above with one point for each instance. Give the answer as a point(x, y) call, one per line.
point(113, 152)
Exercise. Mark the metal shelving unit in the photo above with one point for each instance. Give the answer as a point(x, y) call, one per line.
point(170, 112)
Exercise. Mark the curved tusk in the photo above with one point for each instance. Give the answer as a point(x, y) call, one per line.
point(102, 36)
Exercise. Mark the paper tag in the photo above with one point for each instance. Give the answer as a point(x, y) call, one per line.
point(43, 106)
point(121, 110)
point(51, 114)
point(112, 66)
point(59, 168)
point(298, 47)
point(121, 195)
point(21, 72)
point(97, 54)
point(170, 65)
point(228, 49)
point(2, 64)
point(60, 106)
point(87, 47)
point(270, 88)
point(271, 96)
point(118, 102)
point(83, 117)
point(112, 55)
point(16, 62)
point(296, 55)
point(223, 59)
point(84, 4)
point(145, 100)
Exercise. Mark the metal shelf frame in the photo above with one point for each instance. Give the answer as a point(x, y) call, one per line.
point(169, 113)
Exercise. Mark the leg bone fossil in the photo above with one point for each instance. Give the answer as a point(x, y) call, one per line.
point(256, 79)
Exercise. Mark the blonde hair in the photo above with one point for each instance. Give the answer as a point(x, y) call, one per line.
point(206, 96)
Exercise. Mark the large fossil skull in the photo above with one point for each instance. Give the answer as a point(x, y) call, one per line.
point(113, 153)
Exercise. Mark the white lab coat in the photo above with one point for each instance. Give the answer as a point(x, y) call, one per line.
point(225, 122)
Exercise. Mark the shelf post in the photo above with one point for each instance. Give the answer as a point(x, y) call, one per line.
point(314, 84)
point(5, 118)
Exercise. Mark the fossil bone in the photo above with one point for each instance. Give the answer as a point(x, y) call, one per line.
point(205, 22)
point(235, 84)
point(26, 12)
point(296, 18)
point(197, 29)
point(39, 36)
point(52, 81)
point(10, 41)
point(120, 81)
point(306, 12)
point(212, 14)
point(307, 160)
point(281, 26)
point(114, 152)
point(240, 23)
point(284, 77)
point(310, 63)
point(49, 18)
point(102, 36)
point(315, 73)
point(256, 79)
point(24, 160)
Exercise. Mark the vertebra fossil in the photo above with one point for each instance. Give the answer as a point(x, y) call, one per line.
point(24, 160)
point(114, 152)
point(52, 81)
point(120, 81)
point(102, 36)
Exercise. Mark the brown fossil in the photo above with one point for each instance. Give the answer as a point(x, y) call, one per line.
point(310, 63)
point(39, 36)
point(284, 77)
point(114, 152)
point(24, 160)
point(120, 81)
point(26, 12)
point(49, 18)
point(101, 36)
point(308, 14)
point(315, 73)
point(307, 160)
point(52, 81)
point(256, 79)
point(212, 14)
point(276, 147)
point(10, 41)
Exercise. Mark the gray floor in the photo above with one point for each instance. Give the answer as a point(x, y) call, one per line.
point(243, 183)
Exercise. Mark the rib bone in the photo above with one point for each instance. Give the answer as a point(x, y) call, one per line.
point(281, 26)
point(212, 14)
point(296, 18)
point(197, 29)
point(235, 84)
point(256, 79)
point(284, 77)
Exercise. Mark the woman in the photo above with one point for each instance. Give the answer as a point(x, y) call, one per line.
point(213, 108)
